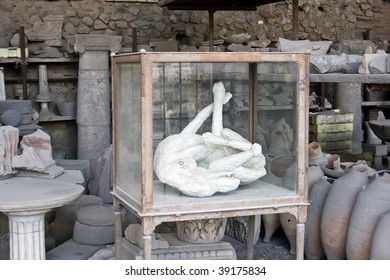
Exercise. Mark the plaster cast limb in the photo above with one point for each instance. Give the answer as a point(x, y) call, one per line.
point(206, 112)
point(212, 139)
point(214, 162)
point(221, 97)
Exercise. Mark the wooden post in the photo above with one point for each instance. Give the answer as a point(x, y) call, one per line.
point(295, 19)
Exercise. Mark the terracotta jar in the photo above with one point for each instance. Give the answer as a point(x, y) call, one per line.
point(371, 204)
point(279, 144)
point(316, 156)
point(271, 224)
point(380, 245)
point(314, 175)
point(289, 225)
point(337, 211)
point(317, 198)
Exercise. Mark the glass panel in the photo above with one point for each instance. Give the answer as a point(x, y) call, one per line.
point(128, 129)
point(276, 120)
point(183, 91)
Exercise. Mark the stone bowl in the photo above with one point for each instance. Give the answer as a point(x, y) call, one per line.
point(67, 108)
point(381, 129)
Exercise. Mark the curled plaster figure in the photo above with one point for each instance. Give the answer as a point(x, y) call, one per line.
point(217, 161)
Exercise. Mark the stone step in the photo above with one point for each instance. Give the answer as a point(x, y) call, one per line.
point(71, 250)
point(376, 150)
point(179, 250)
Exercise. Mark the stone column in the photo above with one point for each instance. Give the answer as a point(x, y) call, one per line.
point(93, 96)
point(27, 235)
point(349, 97)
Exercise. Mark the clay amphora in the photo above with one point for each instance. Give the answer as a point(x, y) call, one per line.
point(289, 225)
point(314, 175)
point(371, 204)
point(271, 224)
point(338, 210)
point(276, 168)
point(316, 156)
point(333, 167)
point(317, 198)
point(380, 245)
point(280, 144)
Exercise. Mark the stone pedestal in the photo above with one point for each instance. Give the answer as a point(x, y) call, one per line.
point(26, 201)
point(349, 97)
point(93, 96)
point(4, 237)
point(27, 235)
point(179, 250)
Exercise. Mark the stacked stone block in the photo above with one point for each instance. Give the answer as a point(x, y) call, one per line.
point(332, 130)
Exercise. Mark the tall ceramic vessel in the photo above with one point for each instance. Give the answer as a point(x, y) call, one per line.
point(371, 204)
point(271, 224)
point(380, 245)
point(317, 198)
point(289, 225)
point(338, 210)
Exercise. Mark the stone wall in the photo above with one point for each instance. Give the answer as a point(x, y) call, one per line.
point(49, 24)
point(319, 20)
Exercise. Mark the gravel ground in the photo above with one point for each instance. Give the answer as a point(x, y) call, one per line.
point(277, 249)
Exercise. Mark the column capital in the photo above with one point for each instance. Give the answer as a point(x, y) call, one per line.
point(93, 42)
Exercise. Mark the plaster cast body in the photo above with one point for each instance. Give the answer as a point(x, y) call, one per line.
point(201, 165)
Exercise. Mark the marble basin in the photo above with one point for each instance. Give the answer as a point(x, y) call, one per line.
point(381, 128)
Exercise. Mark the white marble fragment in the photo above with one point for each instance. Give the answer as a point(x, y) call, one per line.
point(315, 47)
point(9, 138)
point(36, 154)
point(133, 233)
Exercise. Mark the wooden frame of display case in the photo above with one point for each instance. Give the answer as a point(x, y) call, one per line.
point(236, 204)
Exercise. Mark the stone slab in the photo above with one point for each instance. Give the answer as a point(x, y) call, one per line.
point(76, 164)
point(330, 137)
point(337, 145)
point(71, 250)
point(25, 129)
point(22, 106)
point(377, 150)
point(388, 63)
point(330, 128)
point(331, 117)
point(179, 250)
point(73, 176)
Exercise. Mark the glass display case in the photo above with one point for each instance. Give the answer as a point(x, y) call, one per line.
point(210, 135)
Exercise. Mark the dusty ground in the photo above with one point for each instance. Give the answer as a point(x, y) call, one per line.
point(277, 249)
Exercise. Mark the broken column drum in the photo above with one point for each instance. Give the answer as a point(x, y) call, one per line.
point(169, 106)
point(93, 94)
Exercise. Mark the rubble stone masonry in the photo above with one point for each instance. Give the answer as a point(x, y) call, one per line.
point(333, 20)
